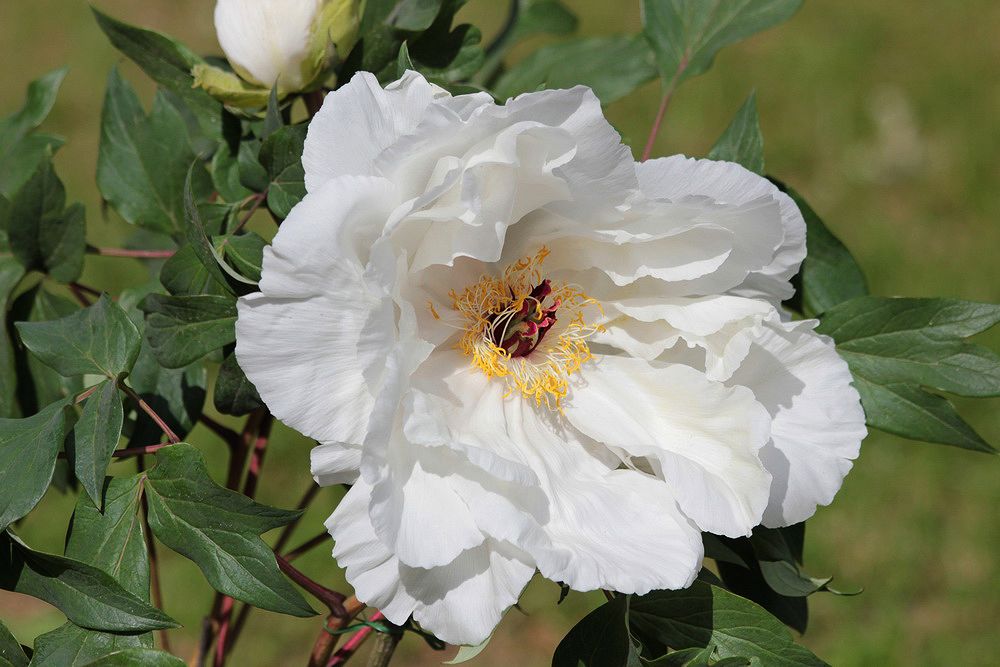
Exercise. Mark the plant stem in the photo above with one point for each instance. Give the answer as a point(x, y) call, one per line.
point(257, 455)
point(327, 640)
point(82, 396)
point(79, 295)
point(332, 599)
point(221, 644)
point(228, 435)
point(313, 102)
point(167, 431)
point(154, 562)
point(664, 104)
point(258, 199)
point(307, 545)
point(385, 646)
point(125, 252)
point(351, 646)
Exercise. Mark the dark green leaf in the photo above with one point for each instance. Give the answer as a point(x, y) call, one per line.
point(28, 451)
point(414, 15)
point(100, 339)
point(39, 385)
point(613, 66)
point(544, 17)
point(281, 156)
point(601, 639)
point(226, 175)
point(197, 234)
point(704, 615)
point(40, 98)
point(10, 648)
point(184, 274)
point(95, 437)
point(829, 273)
point(44, 235)
point(183, 329)
point(11, 273)
point(253, 175)
point(70, 645)
point(23, 158)
point(167, 62)
point(403, 60)
point(272, 118)
point(218, 529)
point(144, 161)
point(896, 346)
point(447, 55)
point(146, 657)
point(686, 34)
point(88, 596)
point(742, 141)
point(910, 412)
point(234, 393)
point(245, 253)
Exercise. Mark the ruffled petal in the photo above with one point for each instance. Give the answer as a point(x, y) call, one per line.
point(703, 436)
point(678, 179)
point(818, 423)
point(460, 602)
point(337, 463)
point(598, 527)
point(306, 340)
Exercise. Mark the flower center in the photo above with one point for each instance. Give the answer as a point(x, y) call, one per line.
point(525, 328)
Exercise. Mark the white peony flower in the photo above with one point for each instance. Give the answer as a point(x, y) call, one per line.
point(526, 351)
point(285, 42)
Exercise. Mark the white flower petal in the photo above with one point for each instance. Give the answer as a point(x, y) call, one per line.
point(602, 527)
point(460, 602)
point(267, 40)
point(679, 179)
point(818, 423)
point(703, 436)
point(336, 463)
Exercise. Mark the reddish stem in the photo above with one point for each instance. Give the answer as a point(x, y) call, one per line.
point(82, 396)
point(258, 199)
point(225, 616)
point(332, 599)
point(351, 646)
point(257, 456)
point(664, 103)
point(154, 561)
point(167, 431)
point(137, 254)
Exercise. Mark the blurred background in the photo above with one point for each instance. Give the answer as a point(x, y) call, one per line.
point(883, 115)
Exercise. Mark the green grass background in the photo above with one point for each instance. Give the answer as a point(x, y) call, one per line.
point(882, 114)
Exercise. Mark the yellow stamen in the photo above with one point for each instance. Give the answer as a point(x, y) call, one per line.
point(543, 374)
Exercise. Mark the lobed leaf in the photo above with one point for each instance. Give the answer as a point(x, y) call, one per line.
point(281, 156)
point(183, 329)
point(88, 596)
point(38, 103)
point(742, 142)
point(11, 273)
point(99, 340)
point(28, 451)
point(95, 438)
point(234, 393)
point(146, 657)
point(685, 35)
point(218, 529)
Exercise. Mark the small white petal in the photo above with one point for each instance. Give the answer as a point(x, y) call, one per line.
point(336, 463)
point(704, 436)
point(818, 423)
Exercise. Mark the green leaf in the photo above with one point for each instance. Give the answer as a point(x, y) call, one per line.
point(167, 62)
point(44, 234)
point(225, 170)
point(23, 158)
point(245, 253)
point(198, 234)
point(218, 529)
point(11, 273)
point(829, 274)
point(95, 438)
point(10, 648)
point(281, 156)
point(896, 346)
point(144, 161)
point(113, 542)
point(544, 17)
point(39, 385)
point(685, 35)
point(272, 116)
point(184, 274)
point(70, 645)
point(742, 142)
point(38, 103)
point(601, 639)
point(613, 66)
point(414, 15)
point(138, 656)
point(445, 54)
point(183, 329)
point(28, 451)
point(705, 615)
point(234, 393)
point(100, 340)
point(88, 596)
